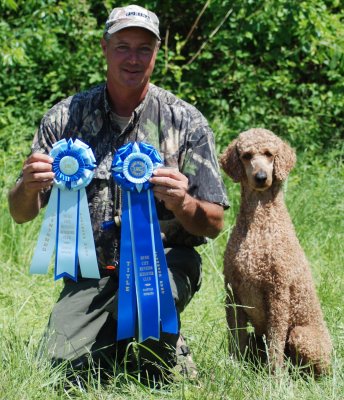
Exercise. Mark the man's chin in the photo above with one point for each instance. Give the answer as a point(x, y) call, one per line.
point(134, 77)
point(135, 83)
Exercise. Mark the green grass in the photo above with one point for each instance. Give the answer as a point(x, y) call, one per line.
point(315, 199)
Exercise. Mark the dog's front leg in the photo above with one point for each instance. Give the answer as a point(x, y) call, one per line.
point(277, 328)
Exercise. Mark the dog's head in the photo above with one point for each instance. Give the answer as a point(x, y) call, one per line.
point(259, 157)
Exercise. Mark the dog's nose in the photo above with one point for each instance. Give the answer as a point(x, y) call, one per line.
point(260, 177)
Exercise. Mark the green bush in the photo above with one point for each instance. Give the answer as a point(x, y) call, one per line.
point(271, 63)
point(277, 64)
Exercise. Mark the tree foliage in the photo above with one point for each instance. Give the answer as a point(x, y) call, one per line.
point(273, 63)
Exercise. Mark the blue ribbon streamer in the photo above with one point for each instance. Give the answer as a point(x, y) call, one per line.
point(66, 258)
point(67, 225)
point(127, 308)
point(145, 270)
point(167, 306)
point(144, 289)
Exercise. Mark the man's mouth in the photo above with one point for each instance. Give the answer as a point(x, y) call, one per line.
point(132, 71)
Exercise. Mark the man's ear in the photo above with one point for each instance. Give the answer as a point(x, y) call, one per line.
point(103, 44)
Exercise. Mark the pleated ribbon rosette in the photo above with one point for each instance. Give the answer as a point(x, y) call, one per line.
point(67, 225)
point(145, 302)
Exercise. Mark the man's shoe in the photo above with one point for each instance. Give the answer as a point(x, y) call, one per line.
point(185, 365)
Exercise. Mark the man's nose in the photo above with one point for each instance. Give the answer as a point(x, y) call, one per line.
point(133, 56)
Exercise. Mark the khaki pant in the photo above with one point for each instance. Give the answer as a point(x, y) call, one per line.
point(82, 325)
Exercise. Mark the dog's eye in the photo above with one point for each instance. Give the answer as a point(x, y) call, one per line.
point(247, 156)
point(268, 154)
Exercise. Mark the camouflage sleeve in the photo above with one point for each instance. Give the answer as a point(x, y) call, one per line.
point(200, 163)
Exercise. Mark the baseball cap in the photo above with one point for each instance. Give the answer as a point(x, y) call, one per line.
point(132, 16)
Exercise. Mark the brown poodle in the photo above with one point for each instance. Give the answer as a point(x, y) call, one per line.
point(267, 276)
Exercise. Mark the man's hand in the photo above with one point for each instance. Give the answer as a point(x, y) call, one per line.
point(170, 186)
point(37, 173)
point(200, 218)
point(24, 200)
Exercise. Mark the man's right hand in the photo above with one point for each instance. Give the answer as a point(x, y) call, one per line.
point(24, 199)
point(37, 173)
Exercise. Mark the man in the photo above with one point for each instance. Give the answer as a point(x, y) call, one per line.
point(190, 195)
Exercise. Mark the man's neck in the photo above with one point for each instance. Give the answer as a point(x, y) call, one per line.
point(124, 102)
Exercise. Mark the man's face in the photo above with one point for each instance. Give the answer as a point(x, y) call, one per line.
point(130, 55)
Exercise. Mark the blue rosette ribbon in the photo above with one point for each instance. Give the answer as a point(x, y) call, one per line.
point(67, 225)
point(145, 293)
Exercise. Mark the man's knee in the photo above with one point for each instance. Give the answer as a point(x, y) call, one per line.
point(185, 274)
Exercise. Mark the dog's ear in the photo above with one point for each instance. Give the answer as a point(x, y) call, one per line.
point(284, 161)
point(230, 162)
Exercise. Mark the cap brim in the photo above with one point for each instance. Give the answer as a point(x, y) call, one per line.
point(119, 26)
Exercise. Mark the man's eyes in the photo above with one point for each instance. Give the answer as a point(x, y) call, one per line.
point(122, 48)
point(141, 50)
point(146, 50)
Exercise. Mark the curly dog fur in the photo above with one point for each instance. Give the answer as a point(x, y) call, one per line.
point(267, 277)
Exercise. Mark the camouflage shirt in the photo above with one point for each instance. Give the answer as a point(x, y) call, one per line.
point(177, 129)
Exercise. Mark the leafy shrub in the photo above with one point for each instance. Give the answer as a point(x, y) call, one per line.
point(276, 64)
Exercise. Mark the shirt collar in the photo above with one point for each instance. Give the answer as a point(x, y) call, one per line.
point(138, 110)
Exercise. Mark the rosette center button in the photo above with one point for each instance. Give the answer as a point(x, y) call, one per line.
point(69, 165)
point(138, 168)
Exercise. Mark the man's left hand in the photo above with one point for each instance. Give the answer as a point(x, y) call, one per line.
point(170, 186)
point(200, 218)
